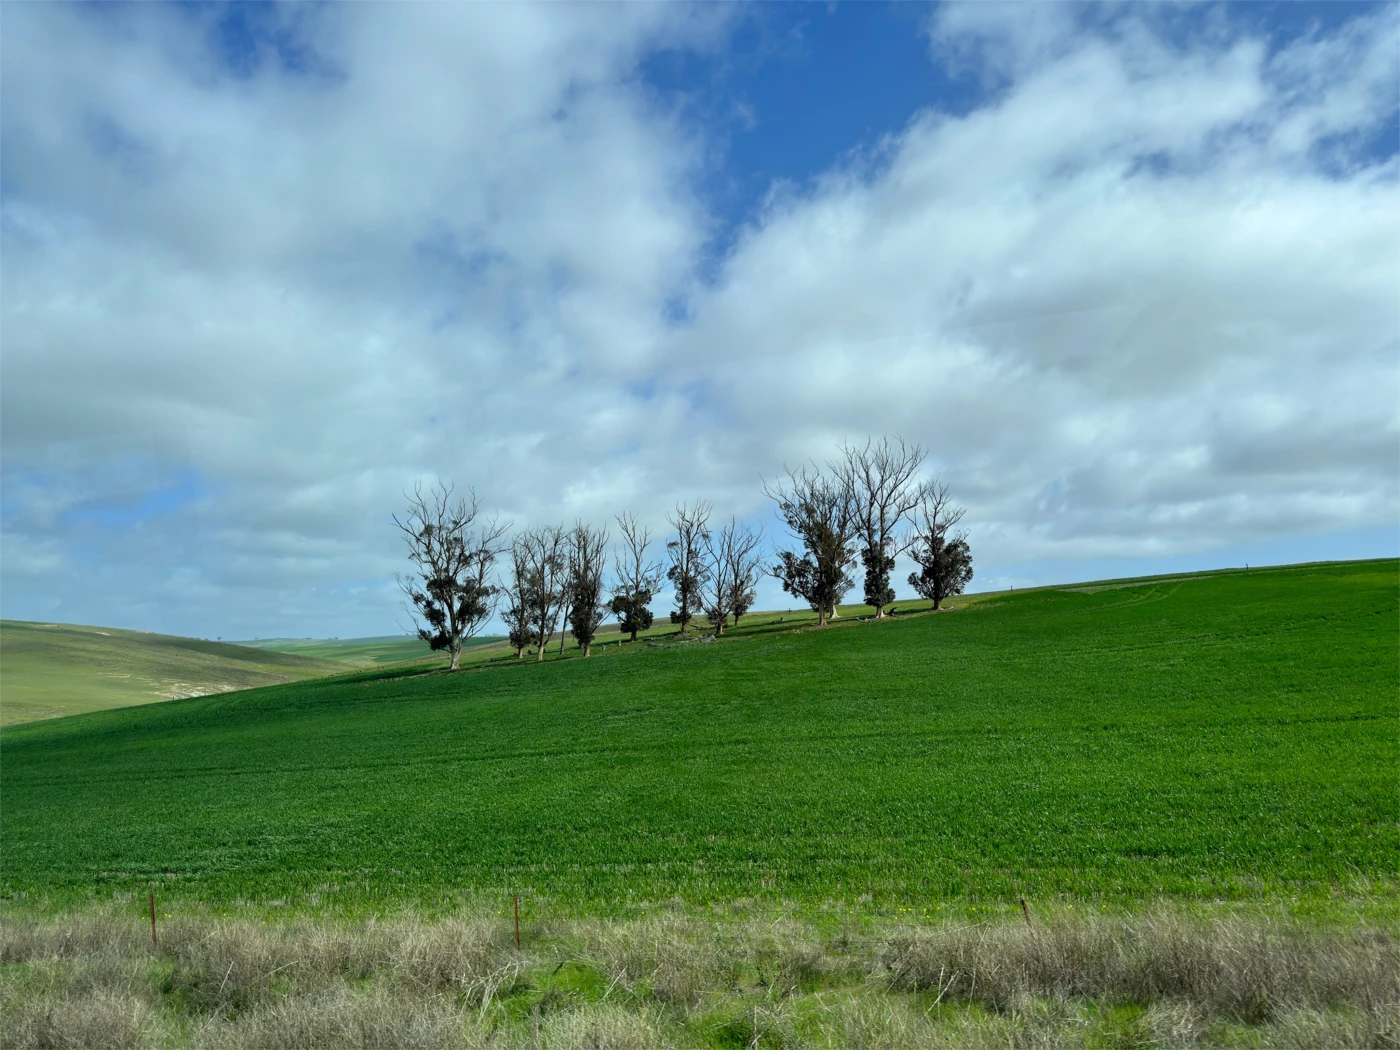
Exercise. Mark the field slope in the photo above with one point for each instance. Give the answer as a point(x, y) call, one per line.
point(52, 669)
point(1232, 735)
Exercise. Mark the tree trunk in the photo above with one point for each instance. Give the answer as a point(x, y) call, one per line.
point(879, 612)
point(544, 644)
point(456, 655)
point(587, 650)
point(634, 634)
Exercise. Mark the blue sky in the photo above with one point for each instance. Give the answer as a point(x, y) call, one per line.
point(1128, 272)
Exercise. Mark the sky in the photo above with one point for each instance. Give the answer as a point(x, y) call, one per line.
point(1129, 272)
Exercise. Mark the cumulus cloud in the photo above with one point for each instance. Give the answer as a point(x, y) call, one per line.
point(1128, 306)
point(1139, 299)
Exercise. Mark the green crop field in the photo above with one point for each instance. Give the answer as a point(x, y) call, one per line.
point(358, 652)
point(1222, 736)
point(48, 670)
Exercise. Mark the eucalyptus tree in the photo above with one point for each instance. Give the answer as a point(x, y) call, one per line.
point(883, 480)
point(544, 555)
point(820, 511)
point(745, 569)
point(734, 564)
point(453, 554)
point(518, 612)
point(638, 580)
point(943, 556)
point(688, 571)
point(588, 549)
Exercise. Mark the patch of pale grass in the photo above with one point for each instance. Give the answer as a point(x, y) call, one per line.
point(670, 958)
point(94, 1018)
point(346, 1019)
point(602, 1027)
point(1163, 979)
point(1240, 968)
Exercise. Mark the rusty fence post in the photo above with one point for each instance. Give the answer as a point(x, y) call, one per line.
point(153, 920)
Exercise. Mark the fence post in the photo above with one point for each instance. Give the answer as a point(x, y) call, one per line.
point(517, 923)
point(153, 920)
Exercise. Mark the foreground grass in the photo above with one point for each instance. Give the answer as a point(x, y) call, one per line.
point(1222, 737)
point(1162, 977)
point(49, 670)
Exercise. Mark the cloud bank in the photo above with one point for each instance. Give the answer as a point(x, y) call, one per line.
point(1140, 299)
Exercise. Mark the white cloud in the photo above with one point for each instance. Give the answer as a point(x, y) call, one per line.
point(1126, 319)
point(1140, 300)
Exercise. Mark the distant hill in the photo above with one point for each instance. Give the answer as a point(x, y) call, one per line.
point(53, 669)
point(360, 652)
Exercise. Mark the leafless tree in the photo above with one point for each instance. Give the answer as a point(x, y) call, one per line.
point(588, 551)
point(544, 553)
point(743, 568)
point(714, 584)
point(819, 509)
point(944, 558)
point(638, 580)
point(883, 479)
point(731, 577)
point(687, 553)
point(452, 554)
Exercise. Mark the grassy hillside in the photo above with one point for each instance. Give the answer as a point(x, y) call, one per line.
point(1231, 735)
point(48, 669)
point(358, 652)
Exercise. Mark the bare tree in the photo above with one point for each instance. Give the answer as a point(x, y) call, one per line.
point(452, 555)
point(732, 572)
point(544, 552)
point(687, 553)
point(944, 558)
point(638, 580)
point(743, 568)
point(883, 478)
point(819, 509)
point(714, 583)
point(588, 549)
point(518, 613)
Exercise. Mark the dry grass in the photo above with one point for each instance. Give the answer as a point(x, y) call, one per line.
point(1164, 978)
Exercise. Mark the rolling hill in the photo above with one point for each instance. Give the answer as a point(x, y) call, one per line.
point(362, 652)
point(1221, 736)
point(48, 670)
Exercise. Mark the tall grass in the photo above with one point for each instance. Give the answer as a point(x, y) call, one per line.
point(1162, 978)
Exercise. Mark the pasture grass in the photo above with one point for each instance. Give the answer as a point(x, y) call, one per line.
point(360, 652)
point(49, 670)
point(1158, 977)
point(1227, 737)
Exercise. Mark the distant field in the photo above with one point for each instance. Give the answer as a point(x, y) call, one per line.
point(49, 670)
point(358, 652)
point(1224, 736)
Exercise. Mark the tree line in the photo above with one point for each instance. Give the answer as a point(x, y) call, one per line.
point(865, 508)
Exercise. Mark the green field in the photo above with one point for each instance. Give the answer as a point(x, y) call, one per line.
point(1221, 736)
point(358, 652)
point(48, 670)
